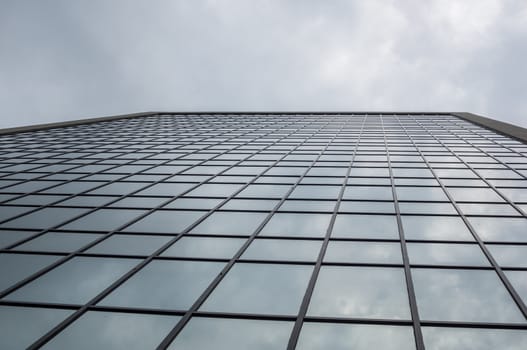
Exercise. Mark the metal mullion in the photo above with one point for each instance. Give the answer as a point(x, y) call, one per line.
point(58, 328)
point(179, 326)
point(302, 312)
point(517, 299)
point(416, 322)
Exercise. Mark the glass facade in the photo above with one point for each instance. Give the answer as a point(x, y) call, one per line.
point(264, 231)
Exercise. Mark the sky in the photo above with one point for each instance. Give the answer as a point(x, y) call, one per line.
point(66, 60)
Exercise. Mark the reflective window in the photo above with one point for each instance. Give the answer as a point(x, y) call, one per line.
point(436, 228)
point(74, 282)
point(205, 247)
point(138, 202)
point(229, 333)
point(487, 209)
point(59, 242)
point(8, 238)
point(158, 285)
point(366, 226)
point(22, 326)
point(426, 208)
point(368, 192)
point(315, 192)
point(286, 224)
point(250, 204)
point(261, 289)
point(364, 252)
point(214, 190)
point(112, 330)
point(164, 221)
point(443, 338)
point(264, 191)
point(103, 220)
point(518, 280)
point(129, 244)
point(230, 223)
point(194, 203)
point(499, 230)
point(446, 254)
point(283, 249)
point(421, 194)
point(341, 336)
point(307, 205)
point(463, 295)
point(474, 194)
point(16, 267)
point(44, 218)
point(509, 255)
point(367, 207)
point(370, 292)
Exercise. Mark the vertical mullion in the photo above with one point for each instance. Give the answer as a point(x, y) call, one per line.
point(416, 323)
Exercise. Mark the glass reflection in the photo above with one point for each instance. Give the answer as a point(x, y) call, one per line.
point(129, 244)
point(16, 267)
point(164, 221)
point(364, 252)
point(74, 282)
point(518, 280)
point(260, 288)
point(509, 255)
point(446, 254)
point(463, 295)
point(44, 218)
point(230, 223)
point(436, 338)
point(500, 229)
point(159, 285)
point(283, 249)
point(59, 242)
point(111, 330)
point(366, 226)
point(205, 247)
point(337, 336)
point(436, 228)
point(370, 292)
point(286, 224)
point(22, 326)
point(104, 220)
point(227, 334)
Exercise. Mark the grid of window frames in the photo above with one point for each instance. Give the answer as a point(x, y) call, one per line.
point(264, 231)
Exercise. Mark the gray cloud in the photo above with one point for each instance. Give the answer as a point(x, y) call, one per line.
point(64, 60)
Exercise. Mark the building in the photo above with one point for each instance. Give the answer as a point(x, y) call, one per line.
point(264, 231)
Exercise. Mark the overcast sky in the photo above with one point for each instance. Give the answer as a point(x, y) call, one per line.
point(62, 60)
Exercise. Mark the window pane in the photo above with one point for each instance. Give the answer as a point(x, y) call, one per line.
point(436, 228)
point(367, 207)
point(8, 238)
point(315, 192)
point(308, 206)
point(22, 326)
point(230, 223)
point(368, 192)
point(159, 285)
point(509, 255)
point(366, 226)
point(214, 190)
point(463, 295)
point(260, 288)
point(474, 194)
point(194, 203)
point(75, 282)
point(264, 191)
point(250, 204)
point(44, 218)
point(363, 252)
point(227, 334)
point(205, 247)
point(129, 245)
point(426, 208)
point(286, 224)
point(112, 330)
point(165, 189)
point(164, 221)
point(337, 336)
point(436, 338)
point(104, 220)
point(16, 267)
point(487, 209)
point(500, 230)
point(283, 249)
point(446, 254)
point(138, 202)
point(360, 292)
point(59, 242)
point(421, 194)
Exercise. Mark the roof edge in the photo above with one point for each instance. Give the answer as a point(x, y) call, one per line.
point(507, 129)
point(38, 127)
